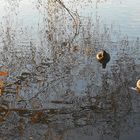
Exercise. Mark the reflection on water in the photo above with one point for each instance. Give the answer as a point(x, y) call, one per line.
point(51, 85)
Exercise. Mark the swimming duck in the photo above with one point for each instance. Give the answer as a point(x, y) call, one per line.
point(103, 57)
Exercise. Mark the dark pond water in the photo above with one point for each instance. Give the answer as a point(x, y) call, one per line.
point(51, 85)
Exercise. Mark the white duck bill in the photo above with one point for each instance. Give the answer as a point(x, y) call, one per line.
point(132, 88)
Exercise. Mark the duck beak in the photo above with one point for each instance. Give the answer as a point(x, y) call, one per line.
point(133, 88)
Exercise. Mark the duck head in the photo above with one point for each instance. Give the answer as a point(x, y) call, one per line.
point(138, 86)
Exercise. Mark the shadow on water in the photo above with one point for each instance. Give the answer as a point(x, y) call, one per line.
point(53, 88)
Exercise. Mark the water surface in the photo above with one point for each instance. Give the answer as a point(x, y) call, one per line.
point(51, 85)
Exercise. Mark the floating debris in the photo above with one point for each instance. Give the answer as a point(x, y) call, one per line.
point(3, 73)
point(37, 116)
point(88, 51)
point(1, 87)
point(26, 74)
point(60, 102)
point(4, 111)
